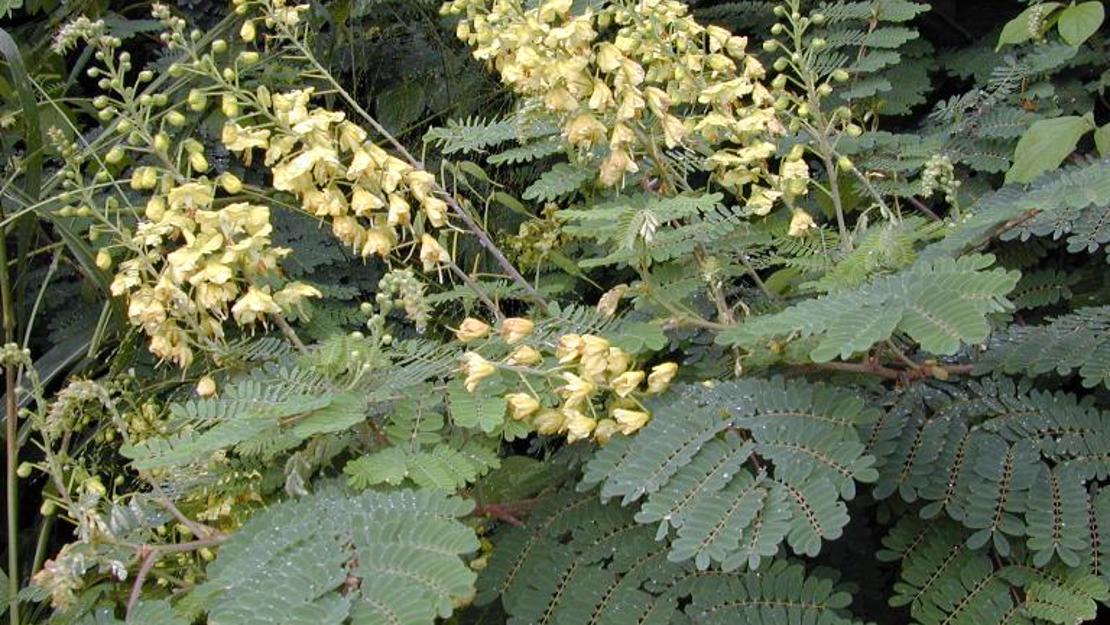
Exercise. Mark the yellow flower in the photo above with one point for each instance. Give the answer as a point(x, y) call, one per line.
point(605, 430)
point(616, 166)
point(661, 376)
point(549, 422)
point(476, 369)
point(554, 8)
point(254, 305)
point(568, 348)
point(595, 355)
point(432, 253)
point(206, 386)
point(521, 405)
point(629, 421)
point(626, 382)
point(608, 57)
point(515, 329)
point(239, 139)
point(618, 362)
point(578, 425)
point(576, 390)
point(525, 355)
point(472, 329)
point(585, 131)
point(364, 202)
point(294, 293)
point(762, 200)
point(800, 222)
point(436, 210)
point(191, 195)
point(398, 210)
point(379, 241)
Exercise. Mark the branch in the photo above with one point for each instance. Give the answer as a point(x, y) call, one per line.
point(150, 555)
point(508, 511)
point(290, 333)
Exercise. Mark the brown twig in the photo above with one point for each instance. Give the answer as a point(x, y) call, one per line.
point(919, 205)
point(508, 511)
point(150, 555)
point(290, 333)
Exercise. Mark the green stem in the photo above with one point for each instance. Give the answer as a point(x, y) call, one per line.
point(12, 436)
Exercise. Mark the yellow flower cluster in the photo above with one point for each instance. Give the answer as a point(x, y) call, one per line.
point(660, 75)
point(197, 263)
point(328, 163)
point(597, 385)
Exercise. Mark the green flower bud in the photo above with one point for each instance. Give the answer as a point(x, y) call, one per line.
point(124, 125)
point(198, 162)
point(841, 75)
point(219, 46)
point(146, 75)
point(162, 142)
point(247, 31)
point(175, 118)
point(24, 469)
point(248, 58)
point(114, 156)
point(770, 45)
point(845, 163)
point(196, 100)
point(230, 183)
point(777, 29)
point(781, 64)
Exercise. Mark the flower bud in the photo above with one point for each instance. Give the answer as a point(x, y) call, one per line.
point(472, 329)
point(521, 405)
point(247, 31)
point(196, 100)
point(219, 46)
point(629, 421)
point(549, 422)
point(230, 183)
point(525, 355)
point(198, 162)
point(605, 430)
point(206, 386)
point(114, 156)
point(229, 106)
point(661, 376)
point(476, 369)
point(175, 118)
point(515, 329)
point(579, 426)
point(841, 75)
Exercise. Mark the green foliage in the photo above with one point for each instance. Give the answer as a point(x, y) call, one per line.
point(697, 468)
point(872, 260)
point(940, 304)
point(610, 570)
point(374, 558)
point(1075, 342)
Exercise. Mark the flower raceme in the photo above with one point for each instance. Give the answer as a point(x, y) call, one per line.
point(337, 173)
point(593, 391)
point(196, 264)
point(621, 78)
